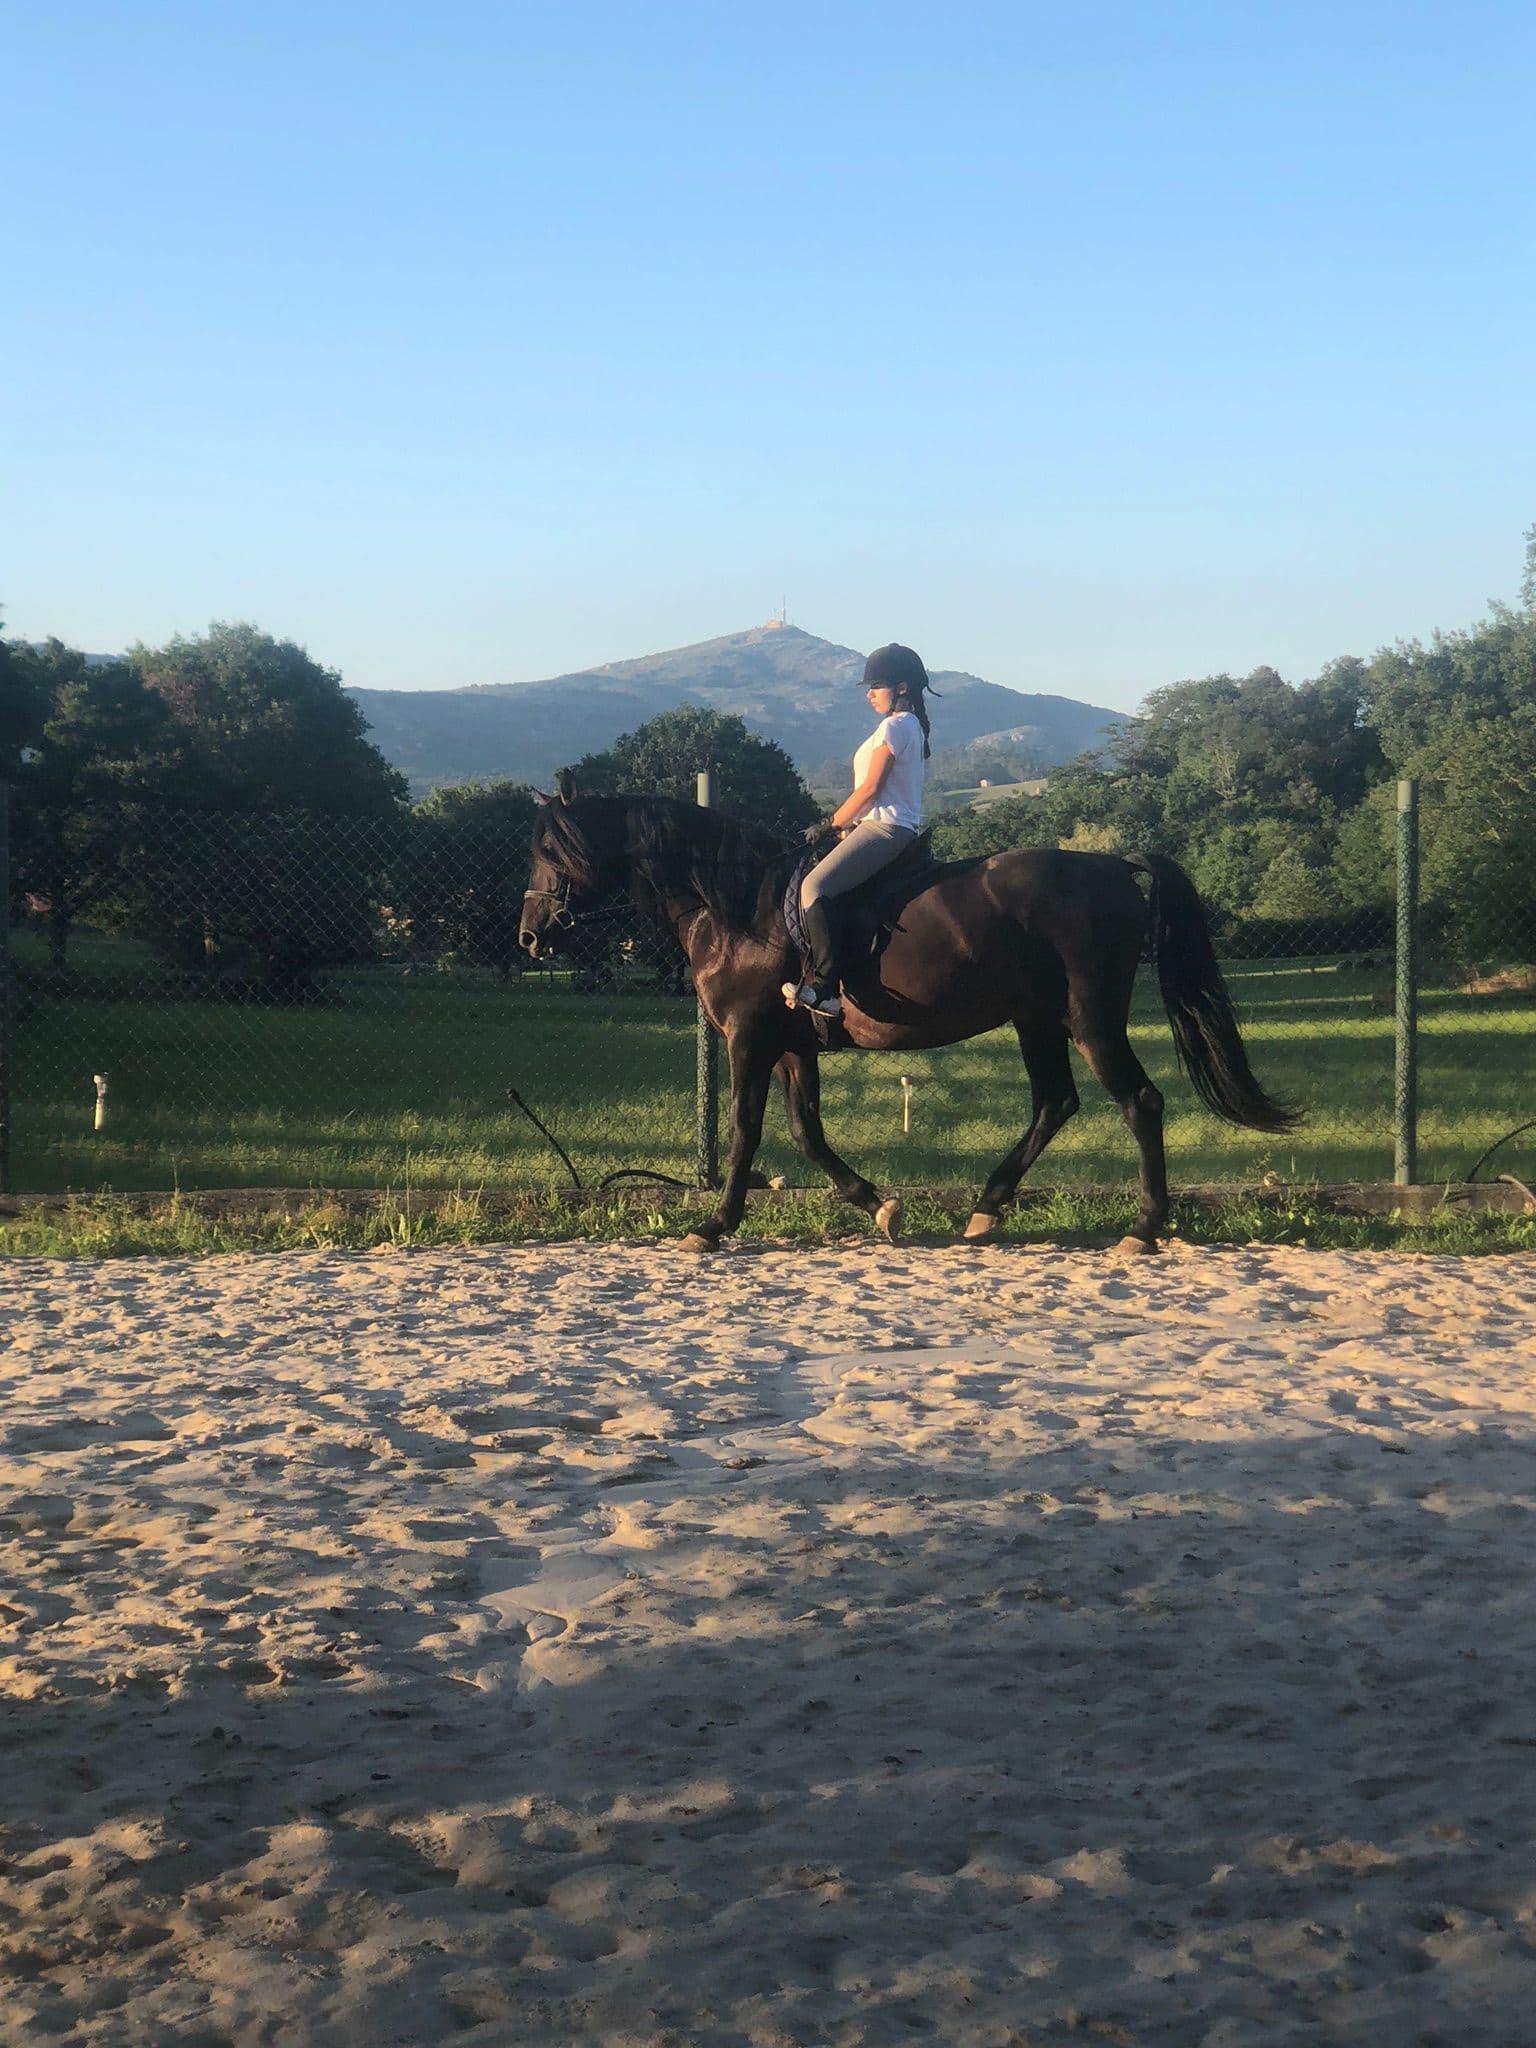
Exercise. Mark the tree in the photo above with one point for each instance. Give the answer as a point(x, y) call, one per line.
point(984, 760)
point(1082, 806)
point(458, 884)
point(1151, 742)
point(755, 780)
point(1336, 751)
point(1259, 740)
point(1478, 783)
point(92, 749)
point(256, 904)
point(23, 707)
point(278, 873)
point(988, 828)
point(1291, 890)
point(1413, 692)
point(268, 727)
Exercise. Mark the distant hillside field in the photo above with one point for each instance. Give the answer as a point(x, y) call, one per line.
point(785, 683)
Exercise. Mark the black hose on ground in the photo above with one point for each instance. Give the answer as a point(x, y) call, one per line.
point(620, 1173)
point(1529, 1125)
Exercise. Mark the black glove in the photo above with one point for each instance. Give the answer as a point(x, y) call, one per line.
point(822, 829)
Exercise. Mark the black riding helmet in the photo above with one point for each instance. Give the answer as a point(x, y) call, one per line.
point(895, 668)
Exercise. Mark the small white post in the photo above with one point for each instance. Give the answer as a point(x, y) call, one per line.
point(906, 1103)
point(101, 1100)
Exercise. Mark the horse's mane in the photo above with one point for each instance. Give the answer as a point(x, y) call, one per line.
point(738, 871)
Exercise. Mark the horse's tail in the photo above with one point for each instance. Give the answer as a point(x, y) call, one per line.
point(1205, 1033)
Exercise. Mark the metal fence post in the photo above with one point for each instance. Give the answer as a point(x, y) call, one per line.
point(1406, 1088)
point(6, 1004)
point(707, 1075)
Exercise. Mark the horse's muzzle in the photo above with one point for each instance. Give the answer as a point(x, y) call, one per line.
point(540, 941)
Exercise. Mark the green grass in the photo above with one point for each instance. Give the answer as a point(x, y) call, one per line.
point(402, 1082)
point(115, 1226)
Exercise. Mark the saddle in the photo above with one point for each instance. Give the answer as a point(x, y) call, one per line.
point(868, 915)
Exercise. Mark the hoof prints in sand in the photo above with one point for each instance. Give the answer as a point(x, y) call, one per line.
point(545, 1646)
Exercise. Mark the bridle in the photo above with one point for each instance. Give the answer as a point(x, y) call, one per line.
point(564, 917)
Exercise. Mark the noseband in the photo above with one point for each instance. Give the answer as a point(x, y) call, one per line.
point(563, 917)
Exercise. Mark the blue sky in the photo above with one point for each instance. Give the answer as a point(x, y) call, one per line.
point(1083, 348)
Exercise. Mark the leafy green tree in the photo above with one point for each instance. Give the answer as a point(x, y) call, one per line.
point(257, 903)
point(1082, 805)
point(94, 753)
point(993, 761)
point(755, 780)
point(1363, 867)
point(458, 884)
point(23, 706)
point(1413, 692)
point(267, 726)
point(1258, 740)
point(1227, 867)
point(1478, 831)
point(987, 828)
point(1152, 741)
point(1291, 889)
point(1336, 751)
point(289, 882)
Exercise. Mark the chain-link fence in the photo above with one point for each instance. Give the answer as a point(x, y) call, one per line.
point(215, 1000)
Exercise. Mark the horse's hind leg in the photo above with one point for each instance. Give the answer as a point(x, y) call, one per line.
point(1107, 1049)
point(1053, 1100)
point(801, 1075)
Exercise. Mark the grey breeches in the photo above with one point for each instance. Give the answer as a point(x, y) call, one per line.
point(867, 849)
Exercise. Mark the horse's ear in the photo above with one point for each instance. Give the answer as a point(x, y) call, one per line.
point(543, 796)
point(567, 786)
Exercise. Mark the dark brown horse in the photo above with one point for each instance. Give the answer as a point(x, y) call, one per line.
point(1043, 940)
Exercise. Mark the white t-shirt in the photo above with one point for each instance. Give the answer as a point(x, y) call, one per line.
point(899, 800)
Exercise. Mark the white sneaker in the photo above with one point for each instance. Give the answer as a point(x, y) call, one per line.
point(805, 996)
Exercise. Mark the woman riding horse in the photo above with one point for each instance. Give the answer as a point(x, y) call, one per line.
point(877, 822)
point(1042, 939)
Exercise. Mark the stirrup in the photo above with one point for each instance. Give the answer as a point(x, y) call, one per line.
point(805, 995)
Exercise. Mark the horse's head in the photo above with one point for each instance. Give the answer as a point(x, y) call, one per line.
point(576, 867)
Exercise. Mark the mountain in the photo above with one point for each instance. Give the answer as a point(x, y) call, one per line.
point(785, 683)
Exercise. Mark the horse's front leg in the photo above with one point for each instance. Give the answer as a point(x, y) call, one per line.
point(801, 1075)
point(752, 1060)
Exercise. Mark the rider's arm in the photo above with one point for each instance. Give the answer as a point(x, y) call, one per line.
point(852, 806)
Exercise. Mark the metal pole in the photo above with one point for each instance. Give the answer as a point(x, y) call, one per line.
point(707, 1076)
point(5, 989)
point(1406, 1088)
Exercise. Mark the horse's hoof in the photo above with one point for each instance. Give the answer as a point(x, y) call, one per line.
point(981, 1224)
point(1136, 1248)
point(888, 1216)
point(698, 1241)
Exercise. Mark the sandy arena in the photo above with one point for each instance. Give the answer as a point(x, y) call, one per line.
point(598, 1645)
